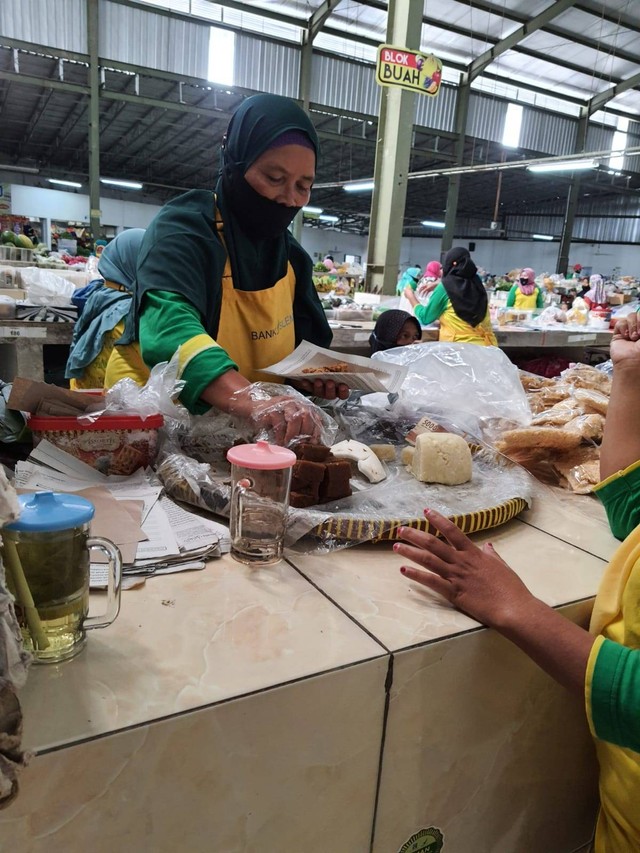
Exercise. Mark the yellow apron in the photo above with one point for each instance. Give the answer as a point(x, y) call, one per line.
point(256, 326)
point(454, 329)
point(524, 302)
point(256, 329)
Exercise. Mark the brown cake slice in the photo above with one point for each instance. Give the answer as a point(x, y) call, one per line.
point(336, 483)
point(312, 452)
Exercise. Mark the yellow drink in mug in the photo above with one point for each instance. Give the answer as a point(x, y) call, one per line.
point(46, 558)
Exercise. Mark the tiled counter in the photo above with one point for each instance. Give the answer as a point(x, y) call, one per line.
point(237, 710)
point(225, 710)
point(479, 742)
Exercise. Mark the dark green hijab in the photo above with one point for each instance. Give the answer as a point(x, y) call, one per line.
point(258, 123)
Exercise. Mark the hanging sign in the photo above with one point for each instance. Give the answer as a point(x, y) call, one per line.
point(408, 69)
point(5, 198)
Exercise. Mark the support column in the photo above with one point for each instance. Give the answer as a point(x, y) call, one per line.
point(573, 196)
point(94, 118)
point(393, 150)
point(304, 94)
point(453, 187)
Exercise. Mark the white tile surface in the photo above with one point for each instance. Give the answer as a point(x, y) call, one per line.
point(367, 583)
point(291, 769)
point(483, 745)
point(188, 640)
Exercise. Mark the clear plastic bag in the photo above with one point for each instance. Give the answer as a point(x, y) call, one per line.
point(280, 415)
point(464, 383)
point(46, 288)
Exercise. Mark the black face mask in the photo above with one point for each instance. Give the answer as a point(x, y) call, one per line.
point(259, 217)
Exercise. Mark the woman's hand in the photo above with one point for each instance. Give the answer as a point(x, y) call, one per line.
point(426, 287)
point(328, 389)
point(285, 418)
point(475, 580)
point(410, 295)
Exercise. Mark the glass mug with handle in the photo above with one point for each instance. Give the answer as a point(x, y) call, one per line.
point(46, 559)
point(260, 483)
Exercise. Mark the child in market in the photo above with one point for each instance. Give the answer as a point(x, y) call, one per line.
point(602, 664)
point(394, 328)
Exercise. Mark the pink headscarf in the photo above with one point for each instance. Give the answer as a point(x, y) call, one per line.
point(433, 270)
point(529, 274)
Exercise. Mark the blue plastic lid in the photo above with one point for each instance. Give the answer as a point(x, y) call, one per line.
point(44, 511)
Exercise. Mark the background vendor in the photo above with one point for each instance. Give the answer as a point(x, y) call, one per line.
point(525, 295)
point(221, 278)
point(101, 322)
point(459, 302)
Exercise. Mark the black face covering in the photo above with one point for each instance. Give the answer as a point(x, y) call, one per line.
point(259, 217)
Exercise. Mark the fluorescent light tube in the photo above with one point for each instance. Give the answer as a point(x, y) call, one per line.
point(130, 185)
point(64, 183)
point(563, 166)
point(326, 217)
point(312, 211)
point(429, 223)
point(542, 236)
point(359, 187)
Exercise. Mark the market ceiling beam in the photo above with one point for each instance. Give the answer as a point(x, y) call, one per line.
point(573, 196)
point(558, 32)
point(602, 98)
point(45, 82)
point(93, 37)
point(230, 4)
point(485, 59)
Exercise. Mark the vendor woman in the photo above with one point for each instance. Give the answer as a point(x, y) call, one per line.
point(459, 302)
point(221, 279)
point(525, 295)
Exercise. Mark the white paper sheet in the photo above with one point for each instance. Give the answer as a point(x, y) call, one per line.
point(364, 374)
point(192, 531)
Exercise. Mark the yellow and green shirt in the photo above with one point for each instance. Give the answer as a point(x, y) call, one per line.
point(612, 689)
point(452, 327)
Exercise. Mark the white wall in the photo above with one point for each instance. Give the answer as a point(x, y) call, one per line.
point(495, 256)
point(39, 203)
point(320, 242)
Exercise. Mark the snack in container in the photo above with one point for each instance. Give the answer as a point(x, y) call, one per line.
point(112, 444)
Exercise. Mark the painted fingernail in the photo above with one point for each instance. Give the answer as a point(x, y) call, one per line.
point(396, 547)
point(427, 512)
point(403, 570)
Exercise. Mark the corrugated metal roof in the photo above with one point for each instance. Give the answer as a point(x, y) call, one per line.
point(266, 67)
point(546, 132)
point(54, 24)
point(141, 38)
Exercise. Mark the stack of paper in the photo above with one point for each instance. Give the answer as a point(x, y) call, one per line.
point(154, 534)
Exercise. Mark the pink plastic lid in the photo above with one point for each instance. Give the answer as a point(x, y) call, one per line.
point(261, 456)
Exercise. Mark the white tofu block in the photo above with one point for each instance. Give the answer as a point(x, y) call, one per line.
point(441, 457)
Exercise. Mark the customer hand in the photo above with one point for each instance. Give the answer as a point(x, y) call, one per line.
point(625, 343)
point(328, 389)
point(475, 580)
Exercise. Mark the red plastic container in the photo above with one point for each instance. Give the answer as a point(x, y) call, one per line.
point(112, 444)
